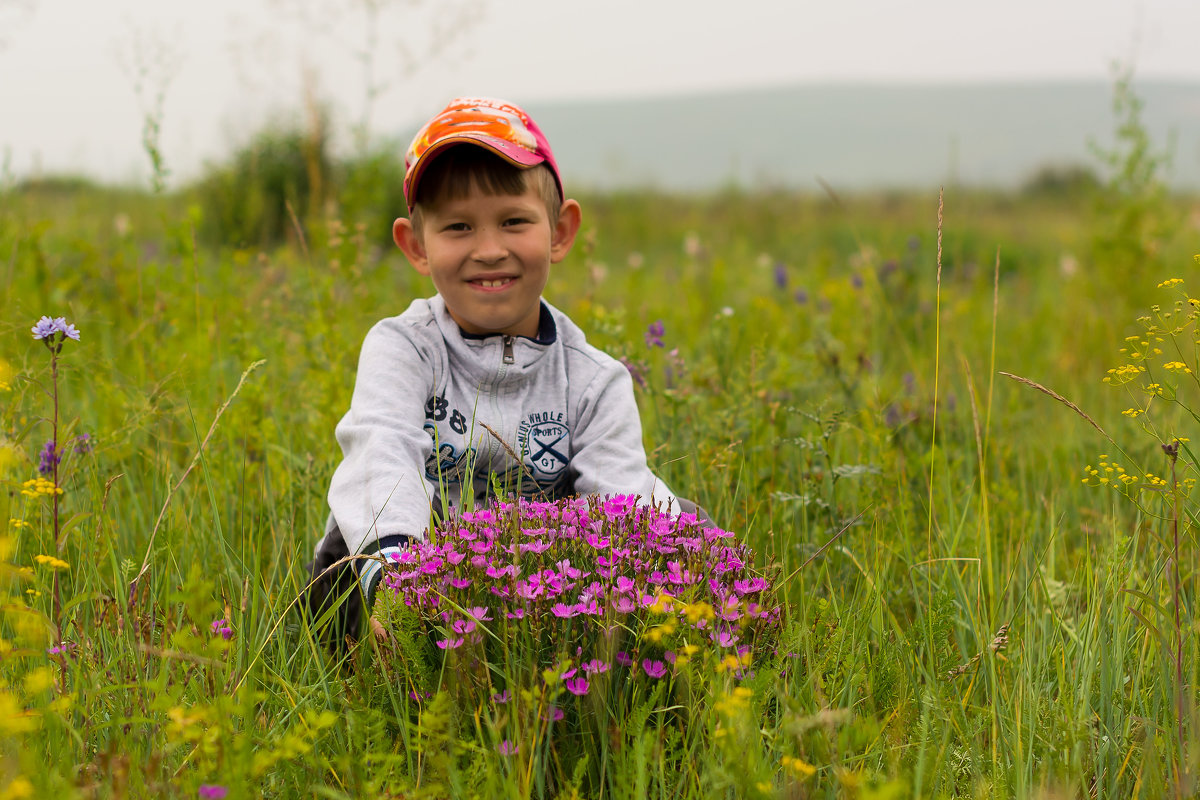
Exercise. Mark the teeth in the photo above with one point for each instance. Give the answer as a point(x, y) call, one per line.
point(493, 284)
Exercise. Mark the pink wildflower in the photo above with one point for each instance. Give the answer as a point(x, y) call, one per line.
point(563, 611)
point(655, 669)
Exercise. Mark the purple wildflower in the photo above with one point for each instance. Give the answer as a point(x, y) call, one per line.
point(654, 669)
point(84, 443)
point(60, 648)
point(212, 791)
point(619, 506)
point(655, 333)
point(221, 627)
point(450, 644)
point(501, 697)
point(635, 371)
point(589, 607)
point(751, 586)
point(507, 748)
point(801, 296)
point(624, 659)
point(48, 459)
point(724, 638)
point(623, 604)
point(577, 686)
point(46, 327)
point(595, 666)
point(781, 276)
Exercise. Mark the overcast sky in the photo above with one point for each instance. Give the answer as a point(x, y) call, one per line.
point(77, 77)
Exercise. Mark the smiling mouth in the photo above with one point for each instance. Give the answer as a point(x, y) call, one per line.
point(492, 283)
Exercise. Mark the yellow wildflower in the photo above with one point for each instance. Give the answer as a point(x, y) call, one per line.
point(19, 789)
point(728, 663)
point(13, 718)
point(697, 611)
point(662, 603)
point(39, 486)
point(39, 680)
point(734, 702)
point(797, 767)
point(657, 633)
point(51, 561)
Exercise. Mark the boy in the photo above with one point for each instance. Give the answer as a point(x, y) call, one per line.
point(483, 387)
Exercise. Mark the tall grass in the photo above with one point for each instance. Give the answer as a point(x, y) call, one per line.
point(969, 617)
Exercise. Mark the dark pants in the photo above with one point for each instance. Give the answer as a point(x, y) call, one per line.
point(334, 588)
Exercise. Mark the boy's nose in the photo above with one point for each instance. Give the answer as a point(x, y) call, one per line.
point(488, 247)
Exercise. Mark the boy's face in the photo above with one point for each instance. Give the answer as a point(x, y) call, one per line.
point(489, 256)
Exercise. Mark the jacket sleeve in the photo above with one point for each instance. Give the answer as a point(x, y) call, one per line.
point(378, 490)
point(608, 456)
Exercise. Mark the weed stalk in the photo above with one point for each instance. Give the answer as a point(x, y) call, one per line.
point(1172, 451)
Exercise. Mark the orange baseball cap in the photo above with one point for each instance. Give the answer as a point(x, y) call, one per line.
point(496, 125)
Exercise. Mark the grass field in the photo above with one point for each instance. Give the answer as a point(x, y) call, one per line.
point(974, 602)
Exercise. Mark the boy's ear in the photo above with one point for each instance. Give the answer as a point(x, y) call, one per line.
point(406, 238)
point(569, 218)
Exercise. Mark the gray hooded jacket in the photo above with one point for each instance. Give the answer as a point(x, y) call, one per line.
point(439, 417)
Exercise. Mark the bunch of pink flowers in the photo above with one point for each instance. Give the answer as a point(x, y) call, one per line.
point(574, 592)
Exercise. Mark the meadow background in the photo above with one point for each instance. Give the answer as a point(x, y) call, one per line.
point(977, 603)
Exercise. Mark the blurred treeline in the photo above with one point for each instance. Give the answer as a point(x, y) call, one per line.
point(286, 186)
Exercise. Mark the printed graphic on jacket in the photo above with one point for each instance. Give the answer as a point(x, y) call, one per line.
point(543, 440)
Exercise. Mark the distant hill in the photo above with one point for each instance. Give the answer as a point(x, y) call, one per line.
point(858, 136)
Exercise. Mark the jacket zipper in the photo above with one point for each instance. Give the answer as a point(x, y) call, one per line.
point(508, 350)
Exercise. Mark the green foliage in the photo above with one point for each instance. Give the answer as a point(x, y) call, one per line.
point(1134, 216)
point(1072, 182)
point(965, 618)
point(269, 188)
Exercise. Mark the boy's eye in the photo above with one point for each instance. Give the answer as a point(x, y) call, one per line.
point(456, 226)
point(516, 221)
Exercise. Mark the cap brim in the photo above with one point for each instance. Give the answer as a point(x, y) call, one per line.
point(511, 152)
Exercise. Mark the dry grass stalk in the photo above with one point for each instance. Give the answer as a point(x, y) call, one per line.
point(1060, 399)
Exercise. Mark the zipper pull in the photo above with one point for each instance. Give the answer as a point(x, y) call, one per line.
point(508, 350)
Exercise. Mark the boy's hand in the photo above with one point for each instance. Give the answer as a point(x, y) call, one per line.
point(377, 630)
